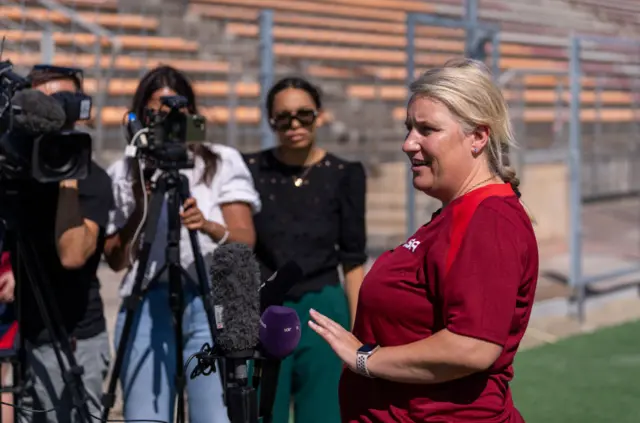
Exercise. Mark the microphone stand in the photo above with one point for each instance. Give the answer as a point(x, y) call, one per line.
point(175, 187)
point(241, 398)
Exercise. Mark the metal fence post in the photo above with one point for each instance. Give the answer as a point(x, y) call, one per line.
point(495, 55)
point(232, 102)
point(575, 179)
point(266, 75)
point(47, 46)
point(411, 70)
point(471, 16)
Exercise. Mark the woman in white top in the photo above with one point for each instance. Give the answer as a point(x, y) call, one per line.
point(223, 200)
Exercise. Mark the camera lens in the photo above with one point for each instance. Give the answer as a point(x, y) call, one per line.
point(59, 157)
point(63, 155)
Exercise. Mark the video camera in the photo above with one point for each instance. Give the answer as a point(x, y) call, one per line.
point(36, 137)
point(160, 137)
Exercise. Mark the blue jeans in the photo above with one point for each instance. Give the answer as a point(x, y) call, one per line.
point(149, 367)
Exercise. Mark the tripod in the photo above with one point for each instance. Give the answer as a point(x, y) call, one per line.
point(41, 289)
point(175, 187)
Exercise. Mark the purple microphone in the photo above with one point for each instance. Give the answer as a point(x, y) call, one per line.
point(279, 331)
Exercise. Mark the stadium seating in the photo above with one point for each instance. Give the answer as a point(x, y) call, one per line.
point(364, 50)
point(348, 41)
point(354, 49)
point(623, 13)
point(107, 19)
point(142, 48)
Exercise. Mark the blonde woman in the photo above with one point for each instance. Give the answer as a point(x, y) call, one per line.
point(440, 317)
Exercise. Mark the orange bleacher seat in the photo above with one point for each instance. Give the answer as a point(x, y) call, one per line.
point(317, 8)
point(98, 4)
point(618, 5)
point(127, 41)
point(289, 33)
point(550, 114)
point(403, 5)
point(216, 115)
point(108, 20)
point(250, 14)
point(123, 62)
point(514, 55)
point(127, 87)
point(112, 116)
point(454, 46)
point(543, 96)
point(398, 57)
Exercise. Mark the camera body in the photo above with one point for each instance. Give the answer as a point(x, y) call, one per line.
point(37, 142)
point(168, 131)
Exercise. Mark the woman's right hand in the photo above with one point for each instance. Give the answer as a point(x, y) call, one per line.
point(7, 287)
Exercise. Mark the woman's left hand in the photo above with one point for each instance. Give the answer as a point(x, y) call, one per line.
point(192, 217)
point(341, 340)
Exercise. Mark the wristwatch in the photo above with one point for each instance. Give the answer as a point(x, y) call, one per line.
point(363, 354)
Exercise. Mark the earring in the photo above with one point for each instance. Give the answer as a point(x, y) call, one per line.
point(475, 150)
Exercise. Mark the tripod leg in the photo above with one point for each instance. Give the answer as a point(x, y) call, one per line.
point(203, 281)
point(49, 312)
point(132, 302)
point(176, 295)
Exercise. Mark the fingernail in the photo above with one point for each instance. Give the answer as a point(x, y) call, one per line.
point(312, 311)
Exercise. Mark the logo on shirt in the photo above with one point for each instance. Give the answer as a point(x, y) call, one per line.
point(411, 245)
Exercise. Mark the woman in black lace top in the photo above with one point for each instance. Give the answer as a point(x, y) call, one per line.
point(313, 213)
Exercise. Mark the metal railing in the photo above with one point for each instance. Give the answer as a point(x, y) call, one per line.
point(526, 152)
point(626, 76)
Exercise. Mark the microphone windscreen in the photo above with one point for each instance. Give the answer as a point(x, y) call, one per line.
point(40, 113)
point(235, 280)
point(279, 331)
point(274, 290)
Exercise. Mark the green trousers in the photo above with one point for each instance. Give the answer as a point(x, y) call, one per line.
point(309, 377)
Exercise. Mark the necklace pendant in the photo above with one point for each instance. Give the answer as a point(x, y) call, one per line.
point(297, 182)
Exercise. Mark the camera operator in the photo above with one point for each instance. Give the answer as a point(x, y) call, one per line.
point(223, 201)
point(67, 223)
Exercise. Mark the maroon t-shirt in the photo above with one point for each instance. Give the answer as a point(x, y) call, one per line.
point(472, 270)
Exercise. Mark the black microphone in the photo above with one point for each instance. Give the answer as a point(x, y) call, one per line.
point(36, 113)
point(275, 289)
point(273, 293)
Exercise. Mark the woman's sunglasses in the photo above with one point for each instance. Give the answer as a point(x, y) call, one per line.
point(283, 121)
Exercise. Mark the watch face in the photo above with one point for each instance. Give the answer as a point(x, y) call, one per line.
point(367, 348)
